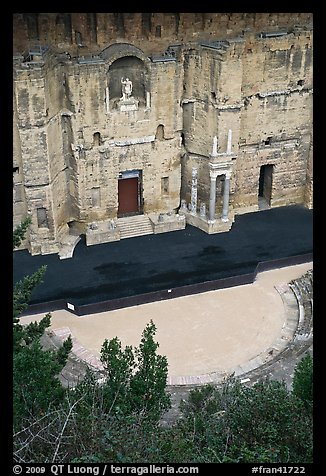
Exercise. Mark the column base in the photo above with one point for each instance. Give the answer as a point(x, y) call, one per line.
point(209, 226)
point(224, 219)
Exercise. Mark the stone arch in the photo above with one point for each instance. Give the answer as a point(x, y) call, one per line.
point(118, 50)
point(128, 67)
point(127, 61)
point(96, 139)
point(159, 132)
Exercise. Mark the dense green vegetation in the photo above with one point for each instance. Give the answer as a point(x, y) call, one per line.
point(116, 416)
point(302, 381)
point(36, 387)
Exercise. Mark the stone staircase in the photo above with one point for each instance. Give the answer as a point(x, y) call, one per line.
point(138, 225)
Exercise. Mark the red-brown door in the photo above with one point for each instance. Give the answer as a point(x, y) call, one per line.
point(128, 196)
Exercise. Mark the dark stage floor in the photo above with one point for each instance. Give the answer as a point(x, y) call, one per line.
point(155, 262)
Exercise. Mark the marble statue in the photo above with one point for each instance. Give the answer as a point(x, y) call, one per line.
point(126, 88)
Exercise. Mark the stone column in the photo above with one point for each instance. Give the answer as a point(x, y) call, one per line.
point(107, 99)
point(194, 190)
point(202, 210)
point(229, 146)
point(214, 151)
point(148, 99)
point(226, 197)
point(212, 196)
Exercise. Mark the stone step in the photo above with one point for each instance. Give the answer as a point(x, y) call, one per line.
point(303, 290)
point(131, 234)
point(134, 226)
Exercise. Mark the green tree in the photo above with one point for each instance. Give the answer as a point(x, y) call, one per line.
point(303, 381)
point(115, 416)
point(36, 387)
point(261, 423)
point(135, 381)
point(23, 290)
point(148, 383)
point(35, 383)
point(20, 232)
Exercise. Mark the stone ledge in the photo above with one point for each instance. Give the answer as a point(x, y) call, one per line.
point(68, 245)
point(208, 226)
point(102, 232)
point(163, 223)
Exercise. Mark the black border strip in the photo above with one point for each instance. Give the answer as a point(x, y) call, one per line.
point(165, 294)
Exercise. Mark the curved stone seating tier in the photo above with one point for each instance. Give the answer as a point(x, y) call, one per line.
point(278, 361)
point(303, 291)
point(79, 358)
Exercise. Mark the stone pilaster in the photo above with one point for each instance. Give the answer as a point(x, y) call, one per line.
point(194, 180)
point(212, 195)
point(226, 197)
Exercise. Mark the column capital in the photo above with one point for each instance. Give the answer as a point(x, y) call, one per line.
point(213, 173)
point(194, 172)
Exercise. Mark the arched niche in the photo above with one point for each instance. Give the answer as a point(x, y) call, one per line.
point(128, 67)
point(159, 132)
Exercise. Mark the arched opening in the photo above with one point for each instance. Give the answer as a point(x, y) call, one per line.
point(159, 132)
point(96, 139)
point(134, 69)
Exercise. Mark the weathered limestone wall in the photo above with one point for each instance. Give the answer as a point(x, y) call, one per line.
point(203, 180)
point(127, 140)
point(74, 144)
point(277, 109)
point(71, 140)
point(263, 93)
point(152, 32)
point(309, 178)
point(19, 196)
point(30, 103)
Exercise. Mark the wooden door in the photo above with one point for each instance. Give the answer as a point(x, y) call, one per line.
point(128, 196)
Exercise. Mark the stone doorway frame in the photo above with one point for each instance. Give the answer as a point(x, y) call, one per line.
point(265, 185)
point(132, 174)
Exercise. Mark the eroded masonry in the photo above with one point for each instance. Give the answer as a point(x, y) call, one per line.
point(135, 123)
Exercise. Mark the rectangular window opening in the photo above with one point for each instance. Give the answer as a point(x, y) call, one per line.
point(165, 185)
point(42, 219)
point(18, 192)
point(96, 197)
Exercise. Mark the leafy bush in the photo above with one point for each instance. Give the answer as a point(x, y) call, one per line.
point(303, 381)
point(135, 381)
point(235, 423)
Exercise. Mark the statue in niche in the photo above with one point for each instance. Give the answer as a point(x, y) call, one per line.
point(126, 88)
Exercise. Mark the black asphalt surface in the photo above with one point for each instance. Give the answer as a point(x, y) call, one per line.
point(155, 262)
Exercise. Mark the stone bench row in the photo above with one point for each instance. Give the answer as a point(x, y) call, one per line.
point(303, 290)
